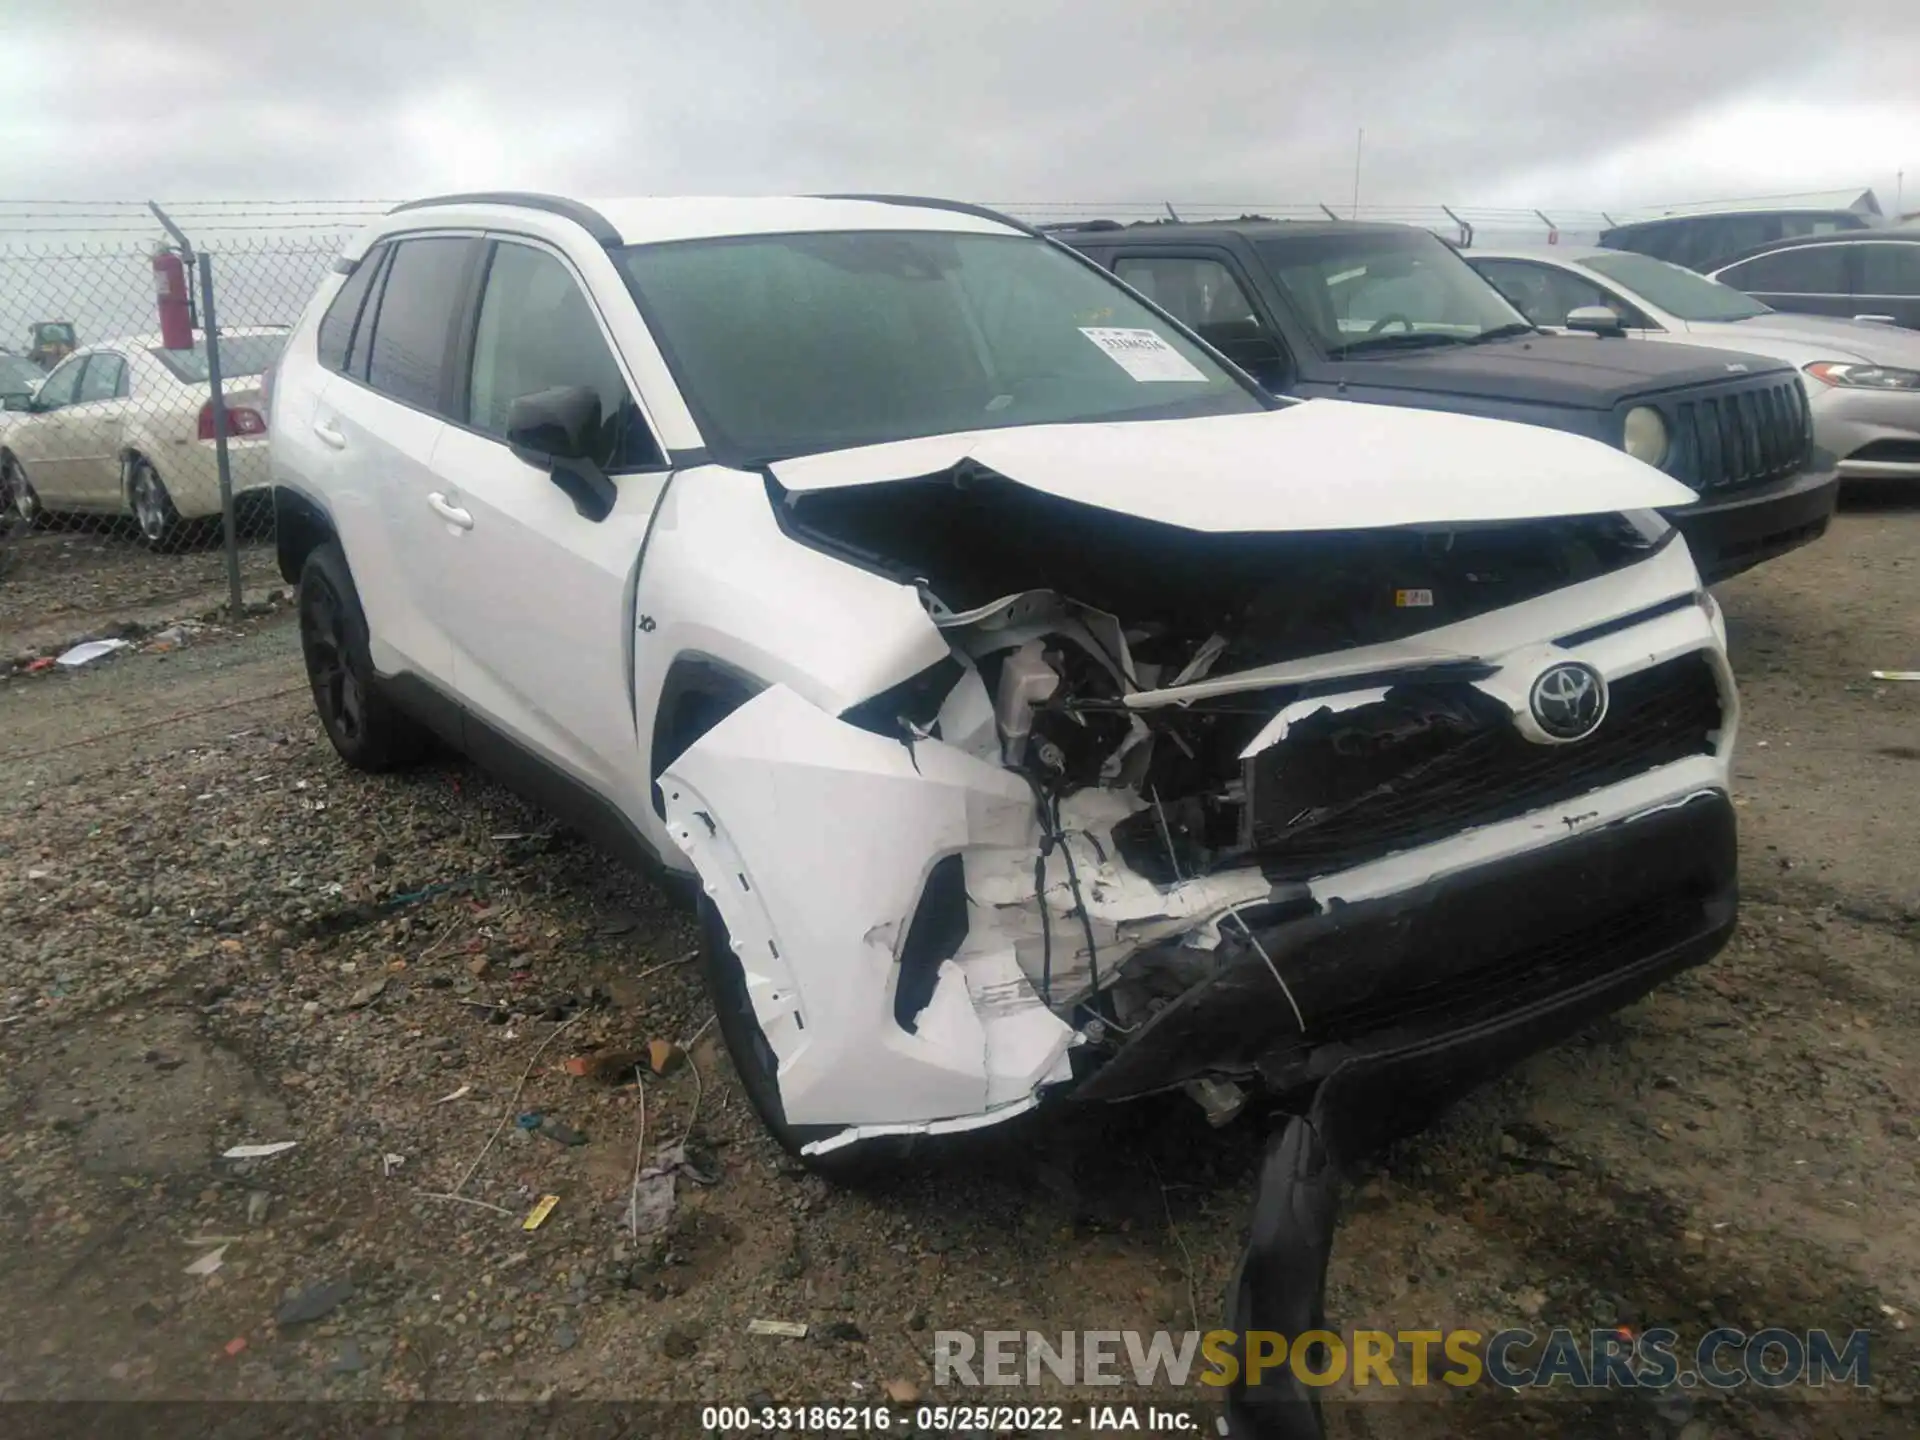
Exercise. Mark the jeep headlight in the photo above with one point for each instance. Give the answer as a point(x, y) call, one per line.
point(1646, 436)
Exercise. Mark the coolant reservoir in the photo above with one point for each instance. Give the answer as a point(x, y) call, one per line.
point(1025, 680)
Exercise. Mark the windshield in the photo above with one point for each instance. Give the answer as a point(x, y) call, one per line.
point(239, 355)
point(1680, 293)
point(18, 375)
point(1376, 291)
point(787, 344)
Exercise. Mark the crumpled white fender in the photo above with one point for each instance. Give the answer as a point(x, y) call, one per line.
point(815, 839)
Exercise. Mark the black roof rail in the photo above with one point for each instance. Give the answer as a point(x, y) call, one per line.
point(1083, 225)
point(585, 216)
point(927, 202)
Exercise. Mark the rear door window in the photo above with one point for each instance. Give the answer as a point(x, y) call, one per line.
point(1816, 270)
point(106, 379)
point(413, 329)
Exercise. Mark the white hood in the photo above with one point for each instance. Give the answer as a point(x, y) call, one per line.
point(1316, 465)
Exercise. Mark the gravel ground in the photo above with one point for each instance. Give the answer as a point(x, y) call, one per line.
point(88, 577)
point(211, 934)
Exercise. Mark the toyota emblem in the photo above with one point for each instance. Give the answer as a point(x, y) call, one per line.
point(1569, 700)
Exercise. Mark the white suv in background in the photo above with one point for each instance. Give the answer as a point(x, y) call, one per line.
point(1036, 704)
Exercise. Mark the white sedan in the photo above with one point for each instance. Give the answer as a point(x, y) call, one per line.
point(125, 428)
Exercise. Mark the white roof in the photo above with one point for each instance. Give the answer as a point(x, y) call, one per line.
point(642, 220)
point(692, 217)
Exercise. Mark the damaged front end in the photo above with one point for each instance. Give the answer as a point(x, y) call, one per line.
point(1213, 809)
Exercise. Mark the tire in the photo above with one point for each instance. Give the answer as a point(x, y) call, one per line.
point(161, 527)
point(755, 1063)
point(17, 494)
point(366, 728)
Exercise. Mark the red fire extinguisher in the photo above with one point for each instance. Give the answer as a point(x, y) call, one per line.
point(175, 300)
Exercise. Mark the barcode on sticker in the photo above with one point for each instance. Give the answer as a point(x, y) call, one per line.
point(1413, 599)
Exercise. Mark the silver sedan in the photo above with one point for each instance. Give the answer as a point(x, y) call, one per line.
point(1862, 378)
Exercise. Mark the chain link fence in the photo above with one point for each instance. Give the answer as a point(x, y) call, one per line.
point(118, 510)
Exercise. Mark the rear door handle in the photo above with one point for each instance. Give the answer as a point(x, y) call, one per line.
point(329, 435)
point(449, 512)
point(1882, 319)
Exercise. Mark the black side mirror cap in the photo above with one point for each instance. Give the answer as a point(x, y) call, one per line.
point(558, 424)
point(558, 430)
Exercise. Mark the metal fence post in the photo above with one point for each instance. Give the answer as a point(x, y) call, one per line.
point(220, 460)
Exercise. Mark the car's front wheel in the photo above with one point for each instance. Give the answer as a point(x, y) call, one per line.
point(759, 1069)
point(365, 726)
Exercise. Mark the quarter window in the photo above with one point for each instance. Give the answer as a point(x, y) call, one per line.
point(537, 332)
point(413, 326)
point(343, 315)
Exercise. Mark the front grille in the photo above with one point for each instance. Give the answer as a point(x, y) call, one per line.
point(1740, 437)
point(1426, 762)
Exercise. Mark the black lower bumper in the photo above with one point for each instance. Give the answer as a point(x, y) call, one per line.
point(1460, 977)
point(1392, 1079)
point(1735, 532)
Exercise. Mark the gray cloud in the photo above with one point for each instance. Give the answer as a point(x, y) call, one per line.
point(1003, 100)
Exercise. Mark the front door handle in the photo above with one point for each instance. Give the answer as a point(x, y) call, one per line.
point(1881, 319)
point(450, 512)
point(329, 435)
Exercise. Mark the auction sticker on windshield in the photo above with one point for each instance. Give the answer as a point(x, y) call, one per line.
point(1143, 354)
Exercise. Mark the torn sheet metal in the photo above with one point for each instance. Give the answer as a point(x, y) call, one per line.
point(814, 840)
point(1588, 605)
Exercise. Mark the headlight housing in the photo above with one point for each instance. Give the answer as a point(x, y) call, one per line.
point(1645, 438)
point(1856, 375)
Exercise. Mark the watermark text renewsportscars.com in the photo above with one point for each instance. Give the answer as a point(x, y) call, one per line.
point(1617, 1358)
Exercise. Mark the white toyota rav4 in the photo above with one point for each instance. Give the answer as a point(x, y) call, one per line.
point(1038, 706)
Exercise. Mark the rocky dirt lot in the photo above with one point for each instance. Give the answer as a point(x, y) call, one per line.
point(89, 577)
point(212, 934)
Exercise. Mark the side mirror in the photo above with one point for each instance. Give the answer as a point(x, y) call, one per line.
point(558, 431)
point(1595, 320)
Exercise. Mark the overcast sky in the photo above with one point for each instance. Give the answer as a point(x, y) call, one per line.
point(1489, 102)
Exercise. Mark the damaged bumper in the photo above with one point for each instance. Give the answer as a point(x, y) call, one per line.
point(1477, 969)
point(932, 938)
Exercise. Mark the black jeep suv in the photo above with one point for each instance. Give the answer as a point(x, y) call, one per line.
point(1393, 315)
